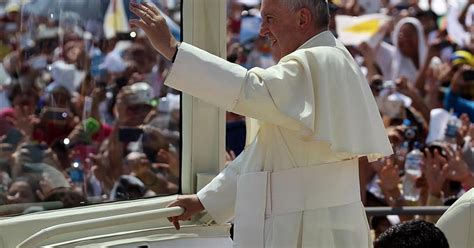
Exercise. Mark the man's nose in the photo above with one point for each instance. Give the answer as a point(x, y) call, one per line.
point(263, 30)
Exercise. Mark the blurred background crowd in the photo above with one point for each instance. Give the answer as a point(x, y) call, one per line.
point(84, 114)
point(85, 117)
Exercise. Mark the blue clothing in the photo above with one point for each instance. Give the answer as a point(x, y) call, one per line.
point(458, 104)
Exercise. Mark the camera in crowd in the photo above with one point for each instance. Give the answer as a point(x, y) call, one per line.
point(410, 133)
point(130, 134)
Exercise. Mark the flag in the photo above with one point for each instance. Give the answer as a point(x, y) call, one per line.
point(115, 20)
point(455, 29)
point(353, 30)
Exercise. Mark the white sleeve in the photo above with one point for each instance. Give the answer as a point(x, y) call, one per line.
point(218, 197)
point(276, 95)
point(272, 95)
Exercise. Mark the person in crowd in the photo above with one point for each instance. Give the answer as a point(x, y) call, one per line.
point(413, 234)
point(132, 109)
point(66, 196)
point(22, 190)
point(407, 54)
point(57, 118)
point(143, 169)
point(453, 99)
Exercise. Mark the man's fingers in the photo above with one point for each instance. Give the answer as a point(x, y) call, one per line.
point(147, 19)
point(173, 204)
point(177, 203)
point(144, 10)
point(152, 8)
point(176, 223)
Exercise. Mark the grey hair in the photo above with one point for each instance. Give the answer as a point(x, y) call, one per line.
point(319, 9)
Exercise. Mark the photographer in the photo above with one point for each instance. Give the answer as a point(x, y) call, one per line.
point(132, 109)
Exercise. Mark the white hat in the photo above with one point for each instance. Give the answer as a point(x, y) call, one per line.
point(64, 75)
point(142, 93)
point(113, 63)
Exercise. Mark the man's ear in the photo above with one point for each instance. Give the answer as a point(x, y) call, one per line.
point(305, 18)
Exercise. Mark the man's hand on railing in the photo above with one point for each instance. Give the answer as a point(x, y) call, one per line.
point(191, 204)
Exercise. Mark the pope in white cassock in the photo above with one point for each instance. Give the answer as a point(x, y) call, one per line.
point(296, 184)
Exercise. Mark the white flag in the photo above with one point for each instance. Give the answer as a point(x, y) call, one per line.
point(115, 20)
point(353, 30)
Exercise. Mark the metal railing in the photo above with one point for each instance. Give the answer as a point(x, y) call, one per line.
point(60, 229)
point(419, 210)
point(77, 226)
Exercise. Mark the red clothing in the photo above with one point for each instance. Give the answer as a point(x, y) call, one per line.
point(5, 124)
point(53, 133)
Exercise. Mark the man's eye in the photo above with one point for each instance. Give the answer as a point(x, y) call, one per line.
point(269, 19)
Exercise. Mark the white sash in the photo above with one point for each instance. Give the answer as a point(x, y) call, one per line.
point(250, 210)
point(263, 194)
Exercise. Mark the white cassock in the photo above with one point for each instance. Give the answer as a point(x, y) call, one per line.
point(457, 223)
point(296, 184)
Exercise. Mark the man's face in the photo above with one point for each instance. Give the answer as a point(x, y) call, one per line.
point(278, 23)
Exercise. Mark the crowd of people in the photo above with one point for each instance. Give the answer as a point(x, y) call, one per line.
point(422, 80)
point(83, 118)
